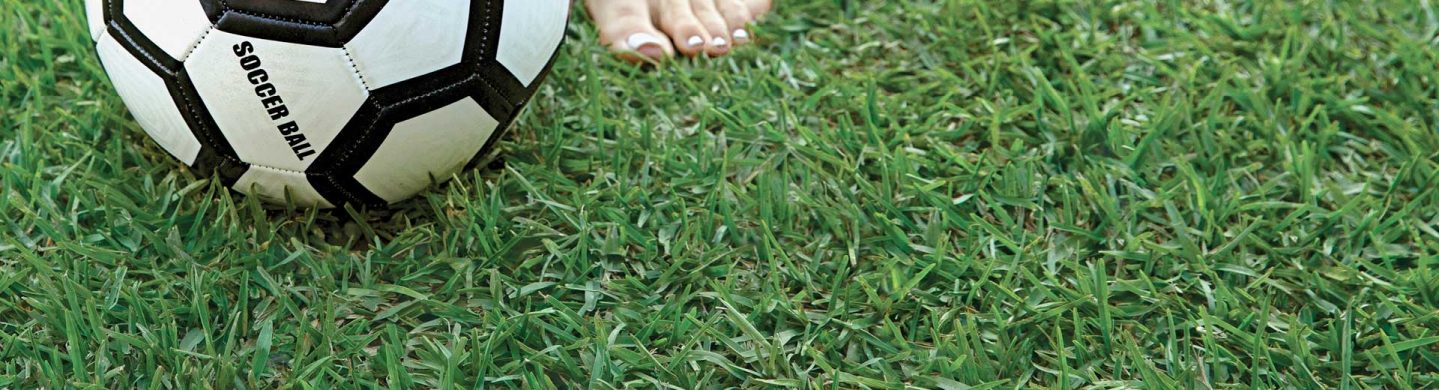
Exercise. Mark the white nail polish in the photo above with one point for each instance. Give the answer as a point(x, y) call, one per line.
point(719, 42)
point(695, 41)
point(639, 40)
point(741, 35)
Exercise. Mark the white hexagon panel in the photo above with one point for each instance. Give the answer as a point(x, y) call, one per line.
point(273, 185)
point(410, 38)
point(174, 26)
point(530, 32)
point(95, 14)
point(145, 93)
point(278, 104)
point(437, 144)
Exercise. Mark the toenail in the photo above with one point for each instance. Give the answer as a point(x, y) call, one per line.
point(741, 35)
point(652, 51)
point(640, 41)
point(719, 42)
point(695, 41)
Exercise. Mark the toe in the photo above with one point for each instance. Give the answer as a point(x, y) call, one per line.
point(627, 28)
point(737, 17)
point(758, 8)
point(677, 19)
point(709, 16)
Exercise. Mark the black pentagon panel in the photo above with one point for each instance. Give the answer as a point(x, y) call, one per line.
point(327, 175)
point(483, 41)
point(497, 76)
point(329, 24)
point(326, 12)
point(483, 46)
point(213, 9)
point(484, 30)
point(257, 26)
point(437, 89)
point(480, 53)
point(357, 18)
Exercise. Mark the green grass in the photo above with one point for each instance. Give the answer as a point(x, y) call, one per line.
point(901, 194)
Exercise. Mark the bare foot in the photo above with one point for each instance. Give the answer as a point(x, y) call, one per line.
point(651, 30)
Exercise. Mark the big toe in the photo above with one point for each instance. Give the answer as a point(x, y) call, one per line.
point(627, 28)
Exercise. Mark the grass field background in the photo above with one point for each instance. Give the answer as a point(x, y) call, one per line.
point(880, 194)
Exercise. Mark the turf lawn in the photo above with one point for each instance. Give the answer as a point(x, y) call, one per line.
point(882, 194)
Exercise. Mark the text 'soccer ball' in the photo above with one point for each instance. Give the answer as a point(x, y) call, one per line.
point(327, 102)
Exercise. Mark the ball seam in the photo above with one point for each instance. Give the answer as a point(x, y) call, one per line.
point(356, 68)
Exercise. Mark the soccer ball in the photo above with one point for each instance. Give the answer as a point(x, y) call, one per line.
point(327, 102)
